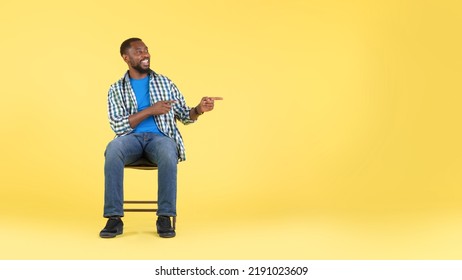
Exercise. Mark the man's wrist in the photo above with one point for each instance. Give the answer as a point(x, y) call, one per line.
point(197, 111)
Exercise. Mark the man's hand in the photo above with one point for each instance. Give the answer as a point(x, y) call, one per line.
point(161, 107)
point(207, 104)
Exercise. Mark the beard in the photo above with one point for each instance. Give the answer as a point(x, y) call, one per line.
point(140, 69)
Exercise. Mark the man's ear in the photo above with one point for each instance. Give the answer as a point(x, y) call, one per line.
point(125, 57)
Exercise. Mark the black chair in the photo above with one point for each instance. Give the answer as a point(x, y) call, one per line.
point(143, 164)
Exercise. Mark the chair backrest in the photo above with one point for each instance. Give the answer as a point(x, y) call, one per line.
point(142, 163)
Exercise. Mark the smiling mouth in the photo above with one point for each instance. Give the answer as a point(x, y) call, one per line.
point(145, 62)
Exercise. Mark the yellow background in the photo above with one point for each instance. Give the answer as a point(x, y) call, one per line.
point(339, 136)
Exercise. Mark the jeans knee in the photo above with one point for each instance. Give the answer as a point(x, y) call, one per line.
point(168, 152)
point(114, 149)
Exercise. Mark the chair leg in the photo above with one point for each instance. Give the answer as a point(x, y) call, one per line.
point(145, 210)
point(140, 209)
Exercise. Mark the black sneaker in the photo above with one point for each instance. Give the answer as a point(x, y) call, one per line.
point(164, 227)
point(114, 226)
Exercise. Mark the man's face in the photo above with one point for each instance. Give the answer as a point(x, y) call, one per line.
point(138, 57)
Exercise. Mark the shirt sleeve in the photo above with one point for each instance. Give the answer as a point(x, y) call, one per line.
point(180, 108)
point(117, 112)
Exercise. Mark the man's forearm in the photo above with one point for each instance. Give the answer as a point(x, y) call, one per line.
point(158, 108)
point(135, 119)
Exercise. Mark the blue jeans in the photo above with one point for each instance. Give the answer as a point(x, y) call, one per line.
point(123, 150)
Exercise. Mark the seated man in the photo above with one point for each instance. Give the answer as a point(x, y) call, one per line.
point(143, 108)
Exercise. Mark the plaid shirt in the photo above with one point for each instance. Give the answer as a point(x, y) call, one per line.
point(122, 103)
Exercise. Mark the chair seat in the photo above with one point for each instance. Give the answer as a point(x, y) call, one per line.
point(142, 163)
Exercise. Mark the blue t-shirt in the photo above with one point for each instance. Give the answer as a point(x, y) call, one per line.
point(141, 89)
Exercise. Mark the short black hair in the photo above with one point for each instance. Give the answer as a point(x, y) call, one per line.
point(127, 44)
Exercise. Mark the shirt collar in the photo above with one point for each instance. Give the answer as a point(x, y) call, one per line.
point(127, 77)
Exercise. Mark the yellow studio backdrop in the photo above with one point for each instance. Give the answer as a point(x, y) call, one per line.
point(339, 136)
